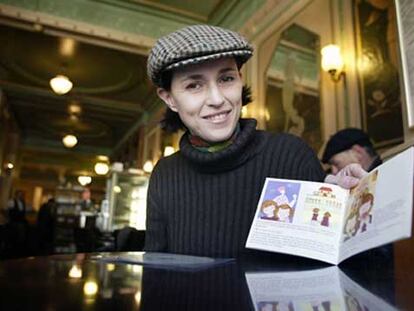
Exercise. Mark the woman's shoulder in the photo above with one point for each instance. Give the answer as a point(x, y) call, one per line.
point(167, 163)
point(285, 140)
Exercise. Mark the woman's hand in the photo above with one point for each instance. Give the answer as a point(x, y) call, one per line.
point(348, 177)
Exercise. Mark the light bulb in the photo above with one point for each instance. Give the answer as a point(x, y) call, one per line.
point(70, 141)
point(101, 168)
point(90, 288)
point(61, 84)
point(331, 58)
point(75, 272)
point(84, 180)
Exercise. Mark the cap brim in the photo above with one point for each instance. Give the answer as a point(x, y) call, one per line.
point(243, 54)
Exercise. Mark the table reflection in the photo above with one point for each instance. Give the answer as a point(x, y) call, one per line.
point(83, 282)
point(318, 290)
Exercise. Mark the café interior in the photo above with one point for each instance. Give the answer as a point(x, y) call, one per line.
point(80, 135)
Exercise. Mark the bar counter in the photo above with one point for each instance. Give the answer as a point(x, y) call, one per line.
point(82, 282)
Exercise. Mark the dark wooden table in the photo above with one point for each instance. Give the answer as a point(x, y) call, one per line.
point(79, 282)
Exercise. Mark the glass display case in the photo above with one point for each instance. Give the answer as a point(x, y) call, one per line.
point(126, 201)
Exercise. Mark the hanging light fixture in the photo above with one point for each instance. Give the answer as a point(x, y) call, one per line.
point(69, 141)
point(101, 168)
point(61, 84)
point(84, 180)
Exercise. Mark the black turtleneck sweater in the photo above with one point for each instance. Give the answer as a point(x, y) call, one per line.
point(203, 203)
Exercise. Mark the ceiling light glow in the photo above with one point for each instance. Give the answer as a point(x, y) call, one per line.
point(84, 180)
point(70, 141)
point(61, 84)
point(101, 168)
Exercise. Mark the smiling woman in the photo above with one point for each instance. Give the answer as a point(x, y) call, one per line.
point(207, 97)
point(202, 199)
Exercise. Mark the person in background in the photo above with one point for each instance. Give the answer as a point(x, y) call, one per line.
point(202, 199)
point(354, 146)
point(16, 208)
point(350, 145)
point(87, 204)
point(46, 226)
point(16, 229)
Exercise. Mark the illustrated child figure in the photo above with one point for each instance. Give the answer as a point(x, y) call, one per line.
point(283, 199)
point(267, 210)
point(325, 219)
point(364, 211)
point(351, 225)
point(284, 213)
point(315, 216)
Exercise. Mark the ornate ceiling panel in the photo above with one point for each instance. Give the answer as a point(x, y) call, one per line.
point(110, 92)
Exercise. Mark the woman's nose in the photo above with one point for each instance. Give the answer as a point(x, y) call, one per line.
point(215, 96)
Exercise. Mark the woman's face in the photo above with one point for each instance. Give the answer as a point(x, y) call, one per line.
point(207, 98)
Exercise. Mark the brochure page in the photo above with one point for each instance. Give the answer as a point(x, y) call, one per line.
point(379, 209)
point(299, 218)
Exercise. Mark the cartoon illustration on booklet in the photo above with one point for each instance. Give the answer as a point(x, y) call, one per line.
point(280, 201)
point(326, 222)
point(361, 201)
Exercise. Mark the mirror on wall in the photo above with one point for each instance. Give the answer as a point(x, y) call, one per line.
point(293, 103)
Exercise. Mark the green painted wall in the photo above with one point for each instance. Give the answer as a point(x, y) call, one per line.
point(129, 17)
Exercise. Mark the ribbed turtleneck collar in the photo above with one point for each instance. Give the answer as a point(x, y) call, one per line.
point(244, 146)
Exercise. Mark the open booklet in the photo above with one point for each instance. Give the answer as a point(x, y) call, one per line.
point(329, 223)
point(322, 289)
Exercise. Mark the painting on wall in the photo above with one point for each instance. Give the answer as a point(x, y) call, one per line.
point(303, 122)
point(379, 71)
point(293, 86)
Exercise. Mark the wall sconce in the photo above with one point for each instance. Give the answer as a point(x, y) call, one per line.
point(168, 150)
point(332, 62)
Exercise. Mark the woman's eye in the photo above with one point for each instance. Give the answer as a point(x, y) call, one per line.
point(227, 79)
point(193, 86)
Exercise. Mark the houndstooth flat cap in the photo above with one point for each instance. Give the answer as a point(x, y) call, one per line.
point(195, 44)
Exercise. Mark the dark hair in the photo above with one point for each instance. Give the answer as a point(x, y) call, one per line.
point(172, 123)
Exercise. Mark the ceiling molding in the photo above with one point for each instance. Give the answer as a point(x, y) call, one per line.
point(41, 144)
point(15, 88)
point(272, 16)
point(157, 9)
point(220, 13)
point(239, 13)
point(109, 25)
point(126, 82)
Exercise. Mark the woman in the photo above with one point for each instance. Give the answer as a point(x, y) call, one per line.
point(202, 199)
